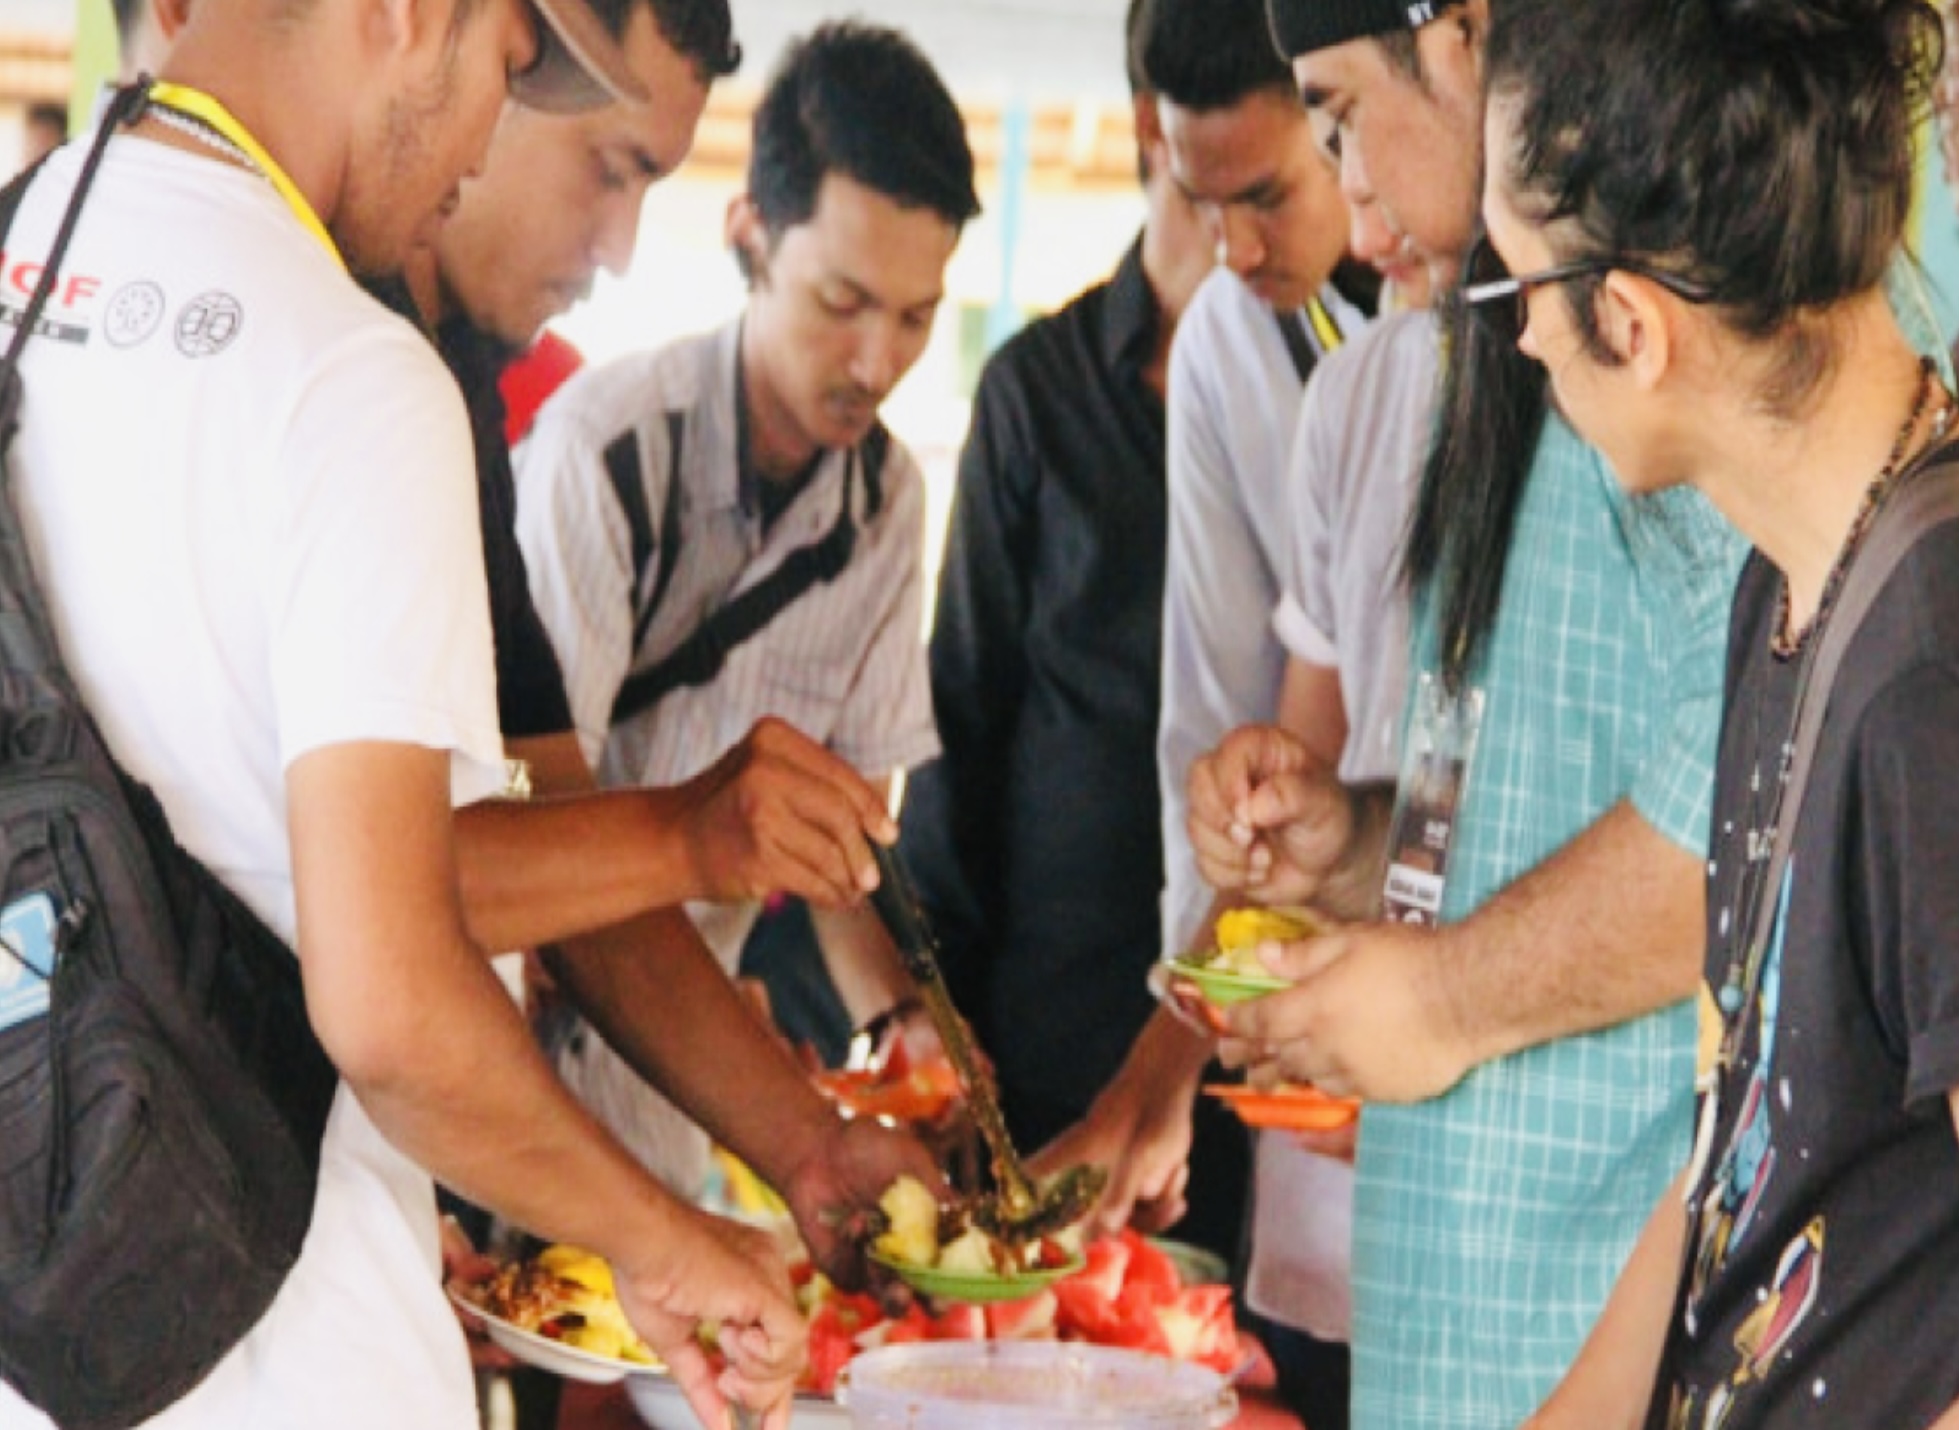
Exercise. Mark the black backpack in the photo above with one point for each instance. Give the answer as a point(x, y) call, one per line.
point(162, 1094)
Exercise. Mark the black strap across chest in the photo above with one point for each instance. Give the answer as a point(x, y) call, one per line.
point(699, 658)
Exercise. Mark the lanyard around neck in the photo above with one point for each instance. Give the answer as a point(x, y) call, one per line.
point(202, 107)
point(1324, 327)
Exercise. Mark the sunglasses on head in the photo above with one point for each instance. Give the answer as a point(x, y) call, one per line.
point(1503, 298)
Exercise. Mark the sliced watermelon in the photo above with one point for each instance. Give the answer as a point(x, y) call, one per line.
point(1083, 1313)
point(958, 1322)
point(831, 1345)
point(1198, 1326)
point(1151, 1275)
point(1030, 1320)
point(1108, 1264)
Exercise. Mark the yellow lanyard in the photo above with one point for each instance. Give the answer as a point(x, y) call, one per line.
point(204, 108)
point(1324, 327)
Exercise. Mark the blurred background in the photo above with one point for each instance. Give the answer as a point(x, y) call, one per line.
point(1041, 83)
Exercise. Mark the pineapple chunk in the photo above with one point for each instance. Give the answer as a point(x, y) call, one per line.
point(970, 1253)
point(578, 1266)
point(1241, 931)
point(912, 1216)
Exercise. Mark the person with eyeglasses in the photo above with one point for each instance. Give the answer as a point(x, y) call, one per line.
point(1509, 998)
point(1520, 1030)
point(1733, 333)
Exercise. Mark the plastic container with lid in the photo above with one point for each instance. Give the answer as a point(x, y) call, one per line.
point(1003, 1385)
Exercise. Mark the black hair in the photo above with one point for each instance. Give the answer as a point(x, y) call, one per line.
point(49, 112)
point(1490, 419)
point(1210, 54)
point(1132, 48)
point(1762, 150)
point(129, 16)
point(862, 101)
point(700, 31)
point(1403, 52)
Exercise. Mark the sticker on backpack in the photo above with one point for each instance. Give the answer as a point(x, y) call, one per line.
point(26, 958)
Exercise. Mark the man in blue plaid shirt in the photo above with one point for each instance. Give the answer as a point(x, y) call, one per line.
point(1527, 1056)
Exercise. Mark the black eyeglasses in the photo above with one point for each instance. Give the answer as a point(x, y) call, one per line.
point(1487, 284)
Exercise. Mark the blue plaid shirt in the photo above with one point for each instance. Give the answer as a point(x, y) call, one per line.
point(1491, 1223)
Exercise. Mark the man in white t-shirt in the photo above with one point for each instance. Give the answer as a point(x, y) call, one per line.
point(266, 576)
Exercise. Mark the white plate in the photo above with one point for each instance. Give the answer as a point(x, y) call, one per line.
point(555, 1356)
point(661, 1405)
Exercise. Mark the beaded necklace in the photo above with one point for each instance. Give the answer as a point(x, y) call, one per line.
point(1787, 644)
point(204, 118)
point(1746, 952)
point(197, 129)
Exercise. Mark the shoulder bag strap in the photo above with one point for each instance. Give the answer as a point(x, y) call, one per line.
point(1922, 503)
point(699, 658)
point(623, 470)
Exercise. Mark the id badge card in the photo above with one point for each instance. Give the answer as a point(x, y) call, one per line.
point(1435, 762)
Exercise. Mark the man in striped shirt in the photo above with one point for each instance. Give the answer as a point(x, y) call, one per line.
point(721, 531)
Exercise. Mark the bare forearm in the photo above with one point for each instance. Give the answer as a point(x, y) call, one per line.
point(1352, 890)
point(1609, 928)
point(1612, 1381)
point(572, 859)
point(657, 996)
point(418, 1026)
point(863, 962)
point(487, 1116)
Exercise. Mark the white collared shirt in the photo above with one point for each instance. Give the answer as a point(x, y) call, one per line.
point(1233, 400)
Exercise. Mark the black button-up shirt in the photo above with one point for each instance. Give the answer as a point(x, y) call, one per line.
point(1034, 837)
point(530, 685)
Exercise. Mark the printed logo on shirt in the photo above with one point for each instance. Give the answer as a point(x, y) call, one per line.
point(134, 314)
point(75, 291)
point(47, 328)
point(209, 324)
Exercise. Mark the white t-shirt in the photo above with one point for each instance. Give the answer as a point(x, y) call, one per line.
point(844, 663)
point(1356, 462)
point(249, 493)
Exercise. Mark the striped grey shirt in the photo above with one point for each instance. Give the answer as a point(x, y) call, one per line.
point(844, 663)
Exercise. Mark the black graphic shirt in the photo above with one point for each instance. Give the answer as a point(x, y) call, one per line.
point(1822, 1277)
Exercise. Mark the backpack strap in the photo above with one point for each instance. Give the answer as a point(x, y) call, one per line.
point(699, 658)
point(27, 632)
point(872, 451)
point(123, 109)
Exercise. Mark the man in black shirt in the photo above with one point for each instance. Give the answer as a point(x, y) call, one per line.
point(1034, 836)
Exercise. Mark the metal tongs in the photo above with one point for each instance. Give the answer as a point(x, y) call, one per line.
point(1018, 1208)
